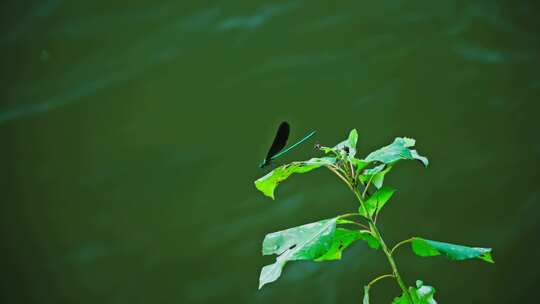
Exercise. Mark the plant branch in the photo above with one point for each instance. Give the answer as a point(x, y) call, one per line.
point(335, 170)
point(353, 222)
point(348, 215)
point(380, 278)
point(367, 186)
point(353, 176)
point(344, 169)
point(361, 225)
point(341, 170)
point(401, 243)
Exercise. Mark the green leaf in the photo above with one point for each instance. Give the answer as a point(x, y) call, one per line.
point(364, 235)
point(327, 150)
point(424, 247)
point(397, 150)
point(344, 221)
point(353, 139)
point(370, 239)
point(366, 295)
point(376, 175)
point(307, 242)
point(359, 164)
point(268, 183)
point(376, 201)
point(372, 171)
point(346, 148)
point(378, 179)
point(421, 294)
point(349, 145)
point(341, 240)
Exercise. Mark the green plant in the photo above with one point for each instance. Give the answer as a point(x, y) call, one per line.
point(326, 239)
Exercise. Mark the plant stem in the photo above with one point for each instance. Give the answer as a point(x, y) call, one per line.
point(375, 232)
point(361, 203)
point(388, 254)
point(373, 229)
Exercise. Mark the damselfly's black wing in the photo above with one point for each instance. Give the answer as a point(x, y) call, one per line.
point(279, 141)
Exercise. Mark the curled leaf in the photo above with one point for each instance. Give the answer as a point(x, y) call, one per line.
point(268, 183)
point(425, 247)
point(397, 150)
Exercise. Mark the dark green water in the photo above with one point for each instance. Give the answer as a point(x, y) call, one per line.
point(132, 132)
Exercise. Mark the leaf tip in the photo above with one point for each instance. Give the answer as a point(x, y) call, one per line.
point(487, 257)
point(270, 194)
